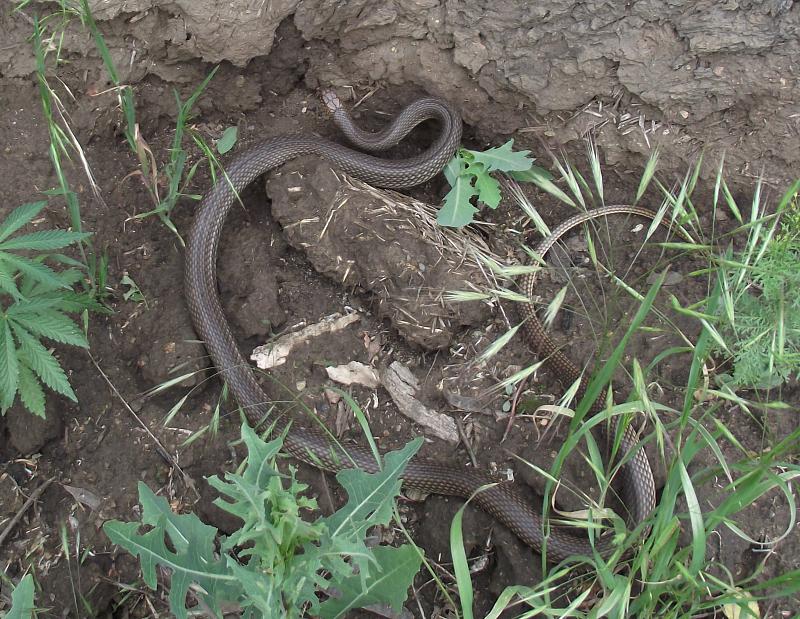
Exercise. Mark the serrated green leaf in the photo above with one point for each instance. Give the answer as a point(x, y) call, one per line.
point(8, 285)
point(388, 583)
point(44, 240)
point(370, 495)
point(64, 259)
point(42, 361)
point(503, 158)
point(58, 301)
point(19, 217)
point(193, 561)
point(488, 190)
point(37, 271)
point(276, 563)
point(67, 278)
point(30, 391)
point(270, 506)
point(48, 323)
point(458, 210)
point(22, 603)
point(9, 367)
point(454, 168)
point(227, 140)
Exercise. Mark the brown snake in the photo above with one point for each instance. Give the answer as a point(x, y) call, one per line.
point(501, 500)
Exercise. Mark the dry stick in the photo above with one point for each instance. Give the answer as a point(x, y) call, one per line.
point(160, 449)
point(18, 516)
point(462, 434)
point(512, 415)
point(79, 149)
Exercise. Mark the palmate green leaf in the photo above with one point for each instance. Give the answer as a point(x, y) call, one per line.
point(30, 391)
point(503, 158)
point(33, 269)
point(387, 583)
point(458, 211)
point(22, 603)
point(193, 560)
point(19, 217)
point(44, 240)
point(9, 367)
point(55, 302)
point(8, 285)
point(66, 280)
point(40, 360)
point(48, 323)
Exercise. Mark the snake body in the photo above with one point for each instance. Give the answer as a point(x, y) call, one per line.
point(502, 500)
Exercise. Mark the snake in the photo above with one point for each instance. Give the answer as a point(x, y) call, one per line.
point(504, 501)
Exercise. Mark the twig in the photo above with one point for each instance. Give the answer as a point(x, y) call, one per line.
point(462, 434)
point(79, 149)
point(512, 415)
point(18, 516)
point(159, 447)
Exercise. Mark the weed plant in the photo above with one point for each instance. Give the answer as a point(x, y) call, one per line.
point(748, 316)
point(278, 563)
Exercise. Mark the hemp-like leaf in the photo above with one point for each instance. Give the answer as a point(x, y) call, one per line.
point(44, 240)
point(48, 323)
point(19, 217)
point(43, 363)
point(37, 271)
point(9, 367)
point(30, 391)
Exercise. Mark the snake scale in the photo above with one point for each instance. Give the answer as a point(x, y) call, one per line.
point(501, 500)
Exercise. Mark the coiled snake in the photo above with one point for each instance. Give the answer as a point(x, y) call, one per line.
point(502, 500)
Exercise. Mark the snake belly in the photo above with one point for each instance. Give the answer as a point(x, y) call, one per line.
point(501, 500)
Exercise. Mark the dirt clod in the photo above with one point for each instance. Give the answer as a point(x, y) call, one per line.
point(341, 225)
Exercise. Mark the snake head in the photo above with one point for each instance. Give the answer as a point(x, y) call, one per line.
point(331, 99)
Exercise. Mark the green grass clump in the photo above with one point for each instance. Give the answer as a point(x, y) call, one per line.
point(667, 566)
point(277, 564)
point(165, 183)
point(35, 300)
point(762, 324)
